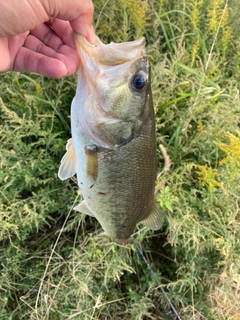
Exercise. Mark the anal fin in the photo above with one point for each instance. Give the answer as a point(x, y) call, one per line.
point(154, 219)
point(83, 208)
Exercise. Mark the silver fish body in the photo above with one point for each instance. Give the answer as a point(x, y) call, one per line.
point(113, 146)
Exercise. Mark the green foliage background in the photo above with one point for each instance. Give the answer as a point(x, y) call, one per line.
point(51, 262)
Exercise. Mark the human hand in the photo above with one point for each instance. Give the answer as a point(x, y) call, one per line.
point(37, 35)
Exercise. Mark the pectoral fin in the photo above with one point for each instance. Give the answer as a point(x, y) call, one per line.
point(83, 208)
point(154, 219)
point(67, 167)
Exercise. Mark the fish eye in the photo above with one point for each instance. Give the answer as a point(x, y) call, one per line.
point(138, 81)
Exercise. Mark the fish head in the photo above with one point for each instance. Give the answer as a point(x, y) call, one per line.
point(113, 86)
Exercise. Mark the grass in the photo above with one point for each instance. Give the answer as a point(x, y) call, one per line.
point(52, 264)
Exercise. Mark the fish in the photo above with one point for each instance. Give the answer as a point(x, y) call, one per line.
point(113, 144)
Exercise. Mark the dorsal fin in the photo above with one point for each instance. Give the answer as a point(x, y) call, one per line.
point(68, 165)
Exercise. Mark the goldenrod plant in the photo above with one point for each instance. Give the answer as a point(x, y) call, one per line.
point(53, 265)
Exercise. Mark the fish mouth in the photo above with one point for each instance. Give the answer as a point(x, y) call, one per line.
point(116, 53)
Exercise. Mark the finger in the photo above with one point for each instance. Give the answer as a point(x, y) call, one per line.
point(8, 50)
point(88, 33)
point(63, 52)
point(83, 23)
point(55, 66)
point(54, 33)
point(80, 18)
point(47, 35)
point(30, 61)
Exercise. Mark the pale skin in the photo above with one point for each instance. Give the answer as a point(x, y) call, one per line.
point(37, 35)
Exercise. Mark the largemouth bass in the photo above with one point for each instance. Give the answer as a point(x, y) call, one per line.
point(113, 145)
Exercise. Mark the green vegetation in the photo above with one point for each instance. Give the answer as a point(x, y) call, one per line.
point(52, 264)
